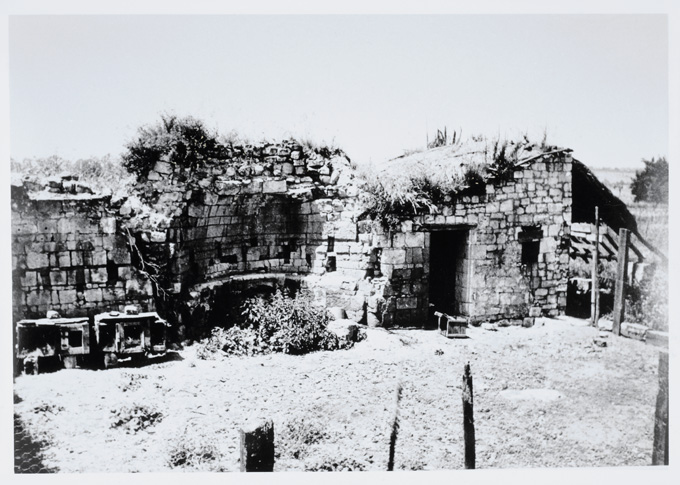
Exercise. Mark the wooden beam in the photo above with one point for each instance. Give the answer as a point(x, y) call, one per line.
point(638, 253)
point(608, 245)
point(468, 419)
point(620, 290)
point(257, 448)
point(595, 291)
point(660, 449)
point(646, 243)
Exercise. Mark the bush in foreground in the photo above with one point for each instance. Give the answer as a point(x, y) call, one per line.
point(195, 452)
point(280, 323)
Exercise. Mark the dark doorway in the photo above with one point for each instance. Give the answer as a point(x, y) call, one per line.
point(449, 272)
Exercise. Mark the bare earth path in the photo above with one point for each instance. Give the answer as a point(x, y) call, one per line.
point(544, 397)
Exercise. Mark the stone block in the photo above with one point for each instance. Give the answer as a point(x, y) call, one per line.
point(344, 329)
point(163, 168)
point(393, 256)
point(407, 303)
point(98, 258)
point(634, 331)
point(29, 279)
point(37, 260)
point(154, 176)
point(414, 239)
point(275, 187)
point(58, 277)
point(535, 311)
point(67, 297)
point(38, 298)
point(120, 255)
point(372, 319)
point(108, 225)
point(98, 275)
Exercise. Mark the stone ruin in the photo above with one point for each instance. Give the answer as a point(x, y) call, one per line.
point(190, 243)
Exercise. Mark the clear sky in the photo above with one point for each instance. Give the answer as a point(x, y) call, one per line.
point(374, 85)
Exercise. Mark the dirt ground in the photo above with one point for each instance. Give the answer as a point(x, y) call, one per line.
point(544, 397)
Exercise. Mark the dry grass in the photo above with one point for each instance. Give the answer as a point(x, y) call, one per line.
point(334, 410)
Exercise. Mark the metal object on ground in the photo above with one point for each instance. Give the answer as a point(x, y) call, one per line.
point(451, 327)
point(129, 335)
point(62, 338)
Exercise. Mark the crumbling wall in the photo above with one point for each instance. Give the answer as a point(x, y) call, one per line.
point(287, 215)
point(70, 255)
point(268, 209)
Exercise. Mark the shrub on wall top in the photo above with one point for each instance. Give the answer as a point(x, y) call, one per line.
point(182, 141)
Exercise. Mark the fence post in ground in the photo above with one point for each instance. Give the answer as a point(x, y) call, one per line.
point(468, 419)
point(595, 287)
point(257, 447)
point(620, 290)
point(395, 428)
point(660, 450)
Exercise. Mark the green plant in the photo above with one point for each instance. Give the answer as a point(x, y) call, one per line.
point(299, 434)
point(198, 452)
point(419, 183)
point(336, 464)
point(182, 141)
point(651, 183)
point(136, 417)
point(279, 323)
point(294, 325)
point(647, 301)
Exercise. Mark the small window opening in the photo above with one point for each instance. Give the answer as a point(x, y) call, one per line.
point(330, 264)
point(230, 258)
point(331, 244)
point(111, 272)
point(75, 338)
point(285, 253)
point(530, 250)
point(530, 238)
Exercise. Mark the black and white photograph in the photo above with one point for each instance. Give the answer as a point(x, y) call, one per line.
point(340, 241)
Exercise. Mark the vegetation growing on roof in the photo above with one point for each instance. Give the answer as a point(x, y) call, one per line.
point(423, 182)
point(187, 142)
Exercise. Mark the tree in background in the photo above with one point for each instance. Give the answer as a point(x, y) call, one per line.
point(651, 183)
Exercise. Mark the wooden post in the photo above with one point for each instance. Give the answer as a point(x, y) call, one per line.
point(257, 448)
point(395, 428)
point(620, 290)
point(660, 450)
point(595, 288)
point(468, 419)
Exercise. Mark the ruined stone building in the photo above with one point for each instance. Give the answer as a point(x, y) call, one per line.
point(190, 241)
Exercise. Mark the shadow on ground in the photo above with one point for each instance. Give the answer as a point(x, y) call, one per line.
point(28, 453)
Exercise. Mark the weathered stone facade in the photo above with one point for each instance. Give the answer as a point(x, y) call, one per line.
point(283, 212)
point(69, 255)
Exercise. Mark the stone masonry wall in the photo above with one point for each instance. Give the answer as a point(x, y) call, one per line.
point(69, 255)
point(288, 211)
point(493, 283)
